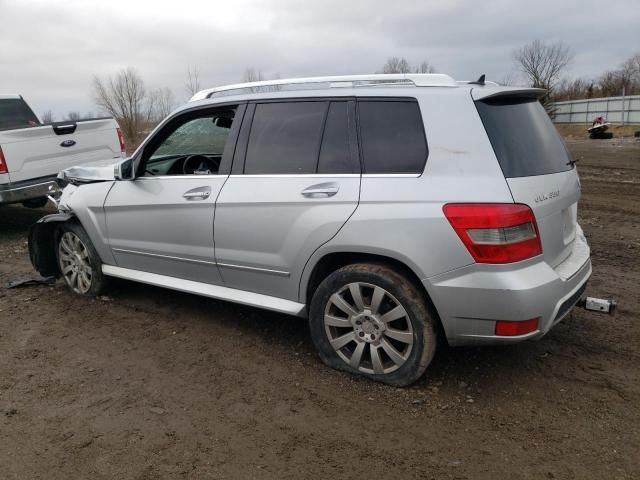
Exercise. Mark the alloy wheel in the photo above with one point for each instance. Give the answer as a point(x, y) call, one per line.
point(74, 263)
point(368, 328)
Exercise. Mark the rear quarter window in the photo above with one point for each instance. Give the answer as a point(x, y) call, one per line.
point(525, 141)
point(392, 136)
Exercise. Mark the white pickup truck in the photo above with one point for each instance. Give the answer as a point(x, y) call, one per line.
point(32, 153)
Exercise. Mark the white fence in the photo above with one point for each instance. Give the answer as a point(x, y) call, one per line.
point(623, 110)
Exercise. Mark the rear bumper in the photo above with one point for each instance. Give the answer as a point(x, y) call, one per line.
point(20, 191)
point(471, 299)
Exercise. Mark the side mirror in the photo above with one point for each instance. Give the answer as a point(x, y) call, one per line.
point(124, 170)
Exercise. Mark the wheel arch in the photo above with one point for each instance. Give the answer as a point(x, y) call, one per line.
point(329, 262)
point(42, 243)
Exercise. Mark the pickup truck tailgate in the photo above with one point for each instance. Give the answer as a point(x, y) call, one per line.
point(45, 150)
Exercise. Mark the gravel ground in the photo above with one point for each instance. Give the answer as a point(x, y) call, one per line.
point(146, 383)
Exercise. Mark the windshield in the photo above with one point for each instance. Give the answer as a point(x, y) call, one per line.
point(523, 137)
point(15, 113)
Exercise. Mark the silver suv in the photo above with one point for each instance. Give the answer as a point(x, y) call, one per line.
point(389, 210)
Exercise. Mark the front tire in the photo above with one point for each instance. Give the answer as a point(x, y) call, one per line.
point(370, 320)
point(79, 263)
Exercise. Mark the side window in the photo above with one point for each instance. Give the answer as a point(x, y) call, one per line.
point(285, 138)
point(15, 113)
point(335, 154)
point(193, 147)
point(392, 137)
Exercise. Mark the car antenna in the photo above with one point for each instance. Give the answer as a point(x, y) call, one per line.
point(480, 80)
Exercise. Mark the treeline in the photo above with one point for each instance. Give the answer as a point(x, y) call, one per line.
point(624, 80)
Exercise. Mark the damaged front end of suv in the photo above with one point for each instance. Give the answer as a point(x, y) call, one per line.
point(72, 183)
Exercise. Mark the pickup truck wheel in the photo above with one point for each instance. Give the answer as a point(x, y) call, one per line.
point(79, 263)
point(370, 320)
point(35, 202)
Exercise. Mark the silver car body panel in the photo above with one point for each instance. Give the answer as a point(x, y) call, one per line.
point(86, 202)
point(256, 239)
point(154, 225)
point(263, 239)
point(520, 291)
point(554, 200)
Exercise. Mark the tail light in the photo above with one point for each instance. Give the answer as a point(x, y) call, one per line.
point(512, 329)
point(495, 232)
point(3, 163)
point(123, 146)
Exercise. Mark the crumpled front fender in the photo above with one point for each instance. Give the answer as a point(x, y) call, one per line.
point(42, 243)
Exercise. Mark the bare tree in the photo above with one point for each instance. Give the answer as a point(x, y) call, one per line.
point(72, 116)
point(47, 117)
point(396, 65)
point(160, 103)
point(543, 63)
point(629, 75)
point(193, 81)
point(123, 96)
point(402, 65)
point(635, 64)
point(509, 79)
point(575, 89)
point(623, 81)
point(425, 67)
point(610, 84)
point(252, 75)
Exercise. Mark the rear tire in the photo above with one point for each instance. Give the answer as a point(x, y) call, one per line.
point(370, 320)
point(79, 263)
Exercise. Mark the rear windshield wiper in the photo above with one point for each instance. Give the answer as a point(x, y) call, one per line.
point(573, 162)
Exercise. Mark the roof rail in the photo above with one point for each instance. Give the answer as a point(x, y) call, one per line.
point(401, 79)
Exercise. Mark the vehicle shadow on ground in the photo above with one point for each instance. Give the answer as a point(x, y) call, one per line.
point(285, 334)
point(15, 220)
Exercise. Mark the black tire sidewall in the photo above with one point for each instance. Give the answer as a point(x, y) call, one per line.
point(422, 320)
point(97, 279)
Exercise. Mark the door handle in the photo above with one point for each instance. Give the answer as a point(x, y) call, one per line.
point(200, 193)
point(321, 190)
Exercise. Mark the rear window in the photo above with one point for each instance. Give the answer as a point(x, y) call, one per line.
point(392, 137)
point(523, 137)
point(15, 113)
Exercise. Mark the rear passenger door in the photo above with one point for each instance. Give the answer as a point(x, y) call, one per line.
point(295, 181)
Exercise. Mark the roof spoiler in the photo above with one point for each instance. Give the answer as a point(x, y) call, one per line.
point(486, 93)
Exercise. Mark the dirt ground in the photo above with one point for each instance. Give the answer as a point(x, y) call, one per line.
point(148, 383)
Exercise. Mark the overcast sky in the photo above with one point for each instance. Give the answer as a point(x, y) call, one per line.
point(51, 49)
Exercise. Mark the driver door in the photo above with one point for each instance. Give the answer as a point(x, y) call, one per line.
point(162, 222)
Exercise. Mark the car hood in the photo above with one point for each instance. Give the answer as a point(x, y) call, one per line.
point(96, 172)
